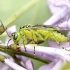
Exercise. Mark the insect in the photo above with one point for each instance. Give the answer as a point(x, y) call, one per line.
point(2, 28)
point(37, 34)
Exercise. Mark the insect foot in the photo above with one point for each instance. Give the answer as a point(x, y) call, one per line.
point(14, 47)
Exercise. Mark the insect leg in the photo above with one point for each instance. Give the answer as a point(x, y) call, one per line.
point(24, 41)
point(34, 51)
point(25, 48)
point(34, 39)
point(34, 47)
point(33, 44)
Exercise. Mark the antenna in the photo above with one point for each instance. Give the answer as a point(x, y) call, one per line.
point(7, 32)
point(8, 42)
point(9, 36)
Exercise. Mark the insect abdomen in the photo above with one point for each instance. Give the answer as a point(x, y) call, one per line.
point(57, 37)
point(52, 35)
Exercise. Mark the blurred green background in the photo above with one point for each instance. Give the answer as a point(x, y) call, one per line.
point(22, 12)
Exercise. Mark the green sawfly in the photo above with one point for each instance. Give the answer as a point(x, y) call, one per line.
point(37, 34)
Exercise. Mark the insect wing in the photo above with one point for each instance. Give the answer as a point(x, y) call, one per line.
point(52, 27)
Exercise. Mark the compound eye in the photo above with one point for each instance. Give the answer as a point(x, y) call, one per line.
point(15, 36)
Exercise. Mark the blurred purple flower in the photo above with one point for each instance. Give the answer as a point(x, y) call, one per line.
point(60, 9)
point(59, 56)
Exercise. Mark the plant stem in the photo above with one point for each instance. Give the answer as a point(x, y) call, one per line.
point(12, 53)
